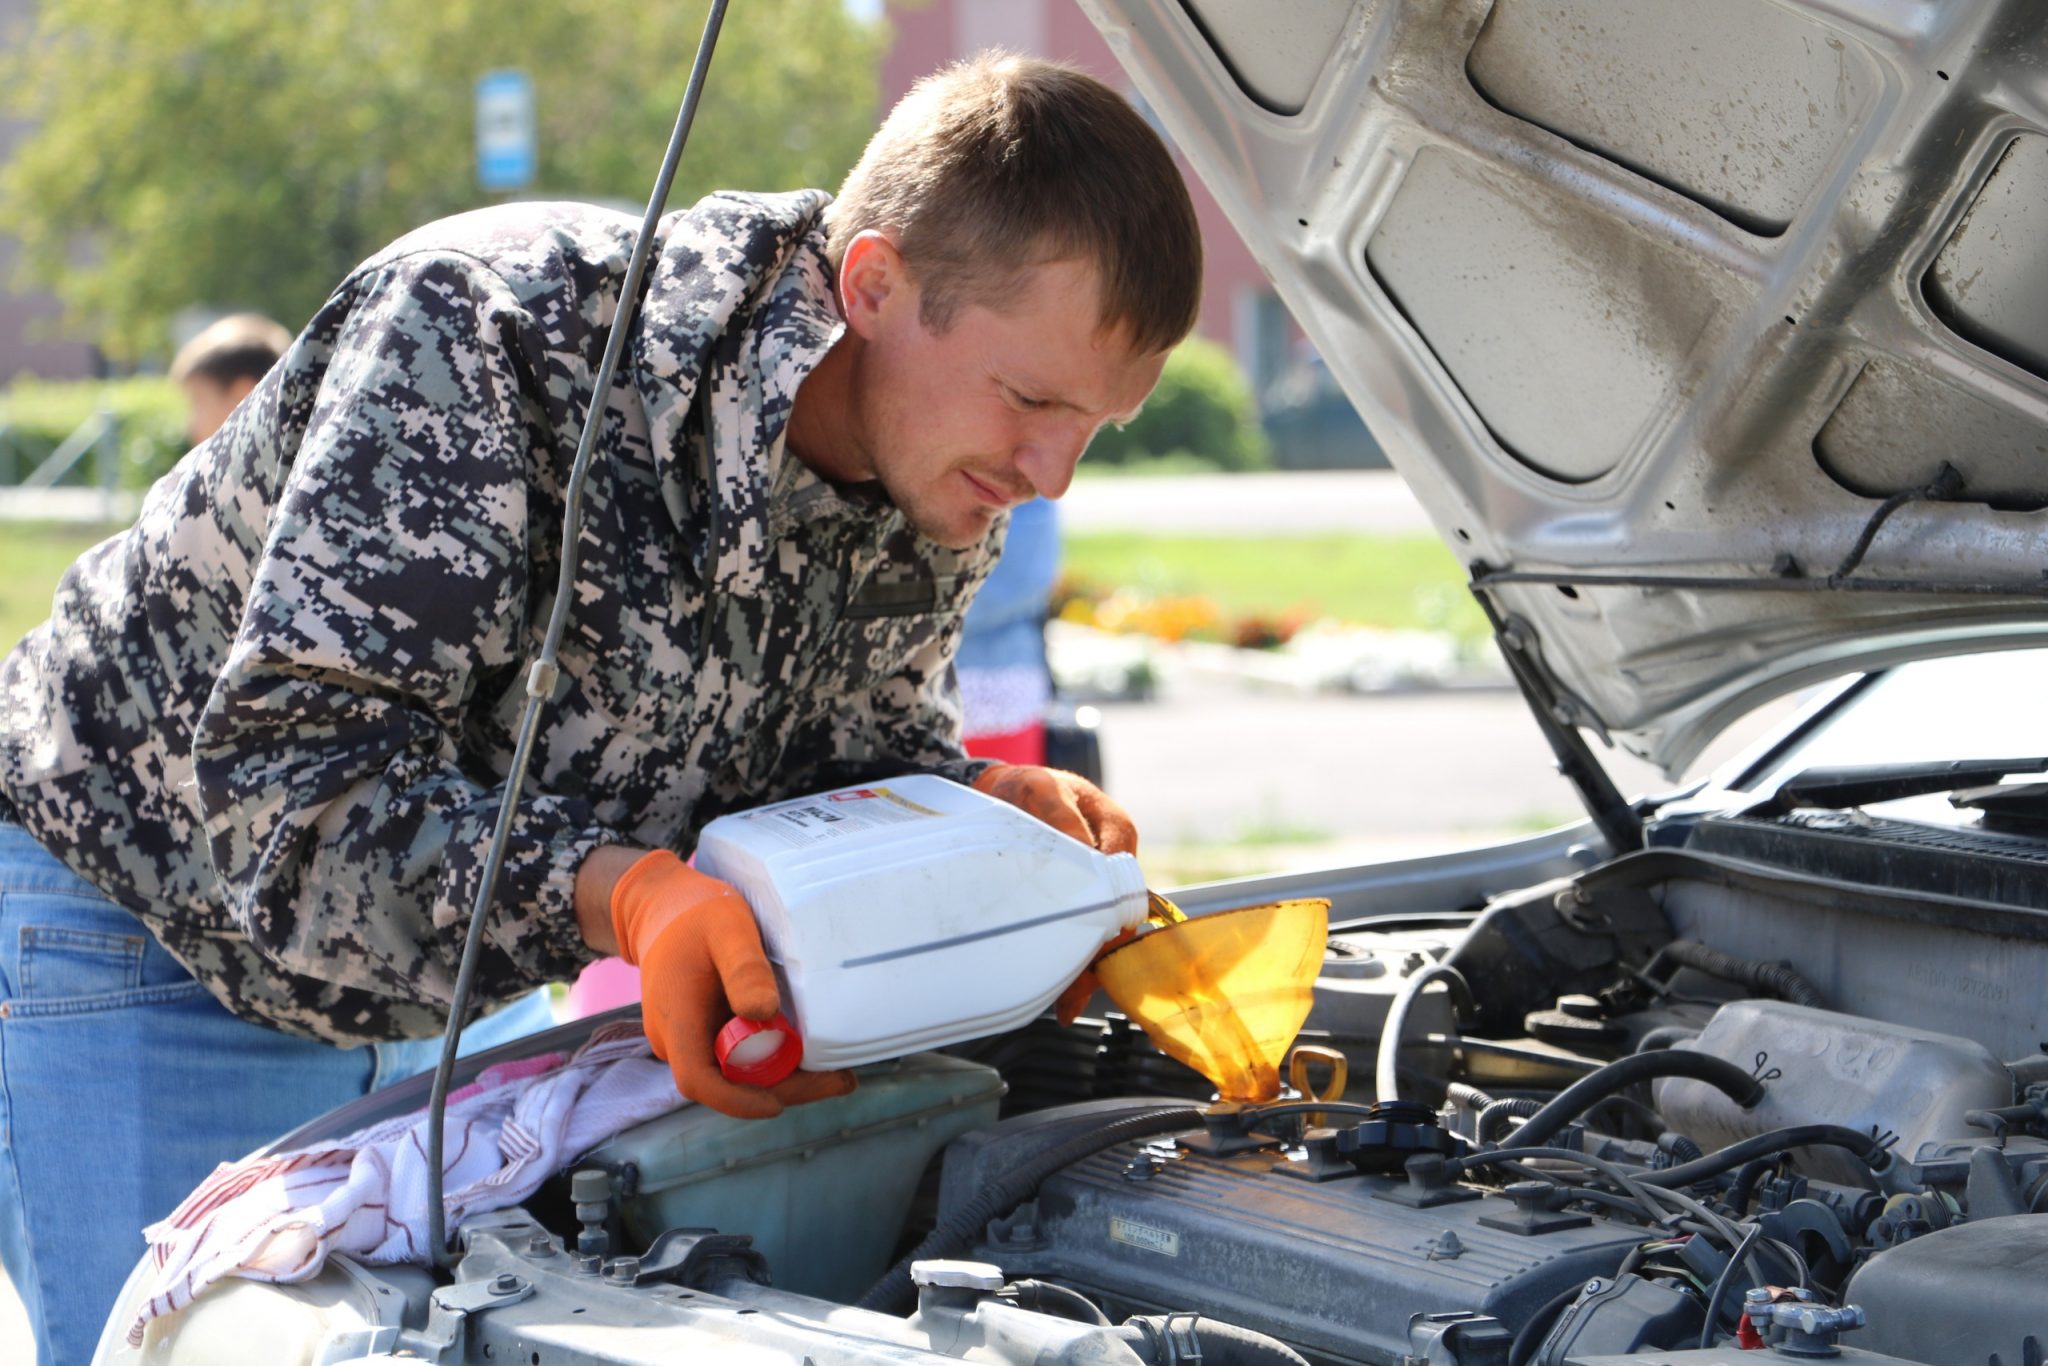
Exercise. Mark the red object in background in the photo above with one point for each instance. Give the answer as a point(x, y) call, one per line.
point(1025, 745)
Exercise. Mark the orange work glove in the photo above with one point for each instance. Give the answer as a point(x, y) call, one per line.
point(1065, 801)
point(700, 960)
point(1073, 806)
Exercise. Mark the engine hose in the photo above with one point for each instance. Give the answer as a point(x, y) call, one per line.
point(1622, 1073)
point(1747, 1180)
point(1523, 1349)
point(1466, 1096)
point(1651, 1122)
point(1681, 1148)
point(1494, 1118)
point(1162, 1338)
point(1781, 980)
point(1387, 1069)
point(1044, 1297)
point(894, 1293)
point(1666, 1036)
point(1866, 1149)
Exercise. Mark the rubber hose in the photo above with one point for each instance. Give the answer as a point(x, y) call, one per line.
point(1386, 1071)
point(1220, 1344)
point(1680, 1147)
point(1666, 1036)
point(1538, 1326)
point(1044, 1297)
point(1495, 1116)
point(1711, 1329)
point(894, 1293)
point(1747, 1180)
point(1466, 1096)
point(1651, 1121)
point(1781, 980)
point(1622, 1073)
point(1866, 1149)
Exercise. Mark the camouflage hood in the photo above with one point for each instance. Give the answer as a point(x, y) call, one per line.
point(767, 262)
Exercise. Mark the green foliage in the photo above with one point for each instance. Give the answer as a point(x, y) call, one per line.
point(36, 416)
point(1203, 408)
point(248, 153)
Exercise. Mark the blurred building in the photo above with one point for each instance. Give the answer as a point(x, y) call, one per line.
point(26, 319)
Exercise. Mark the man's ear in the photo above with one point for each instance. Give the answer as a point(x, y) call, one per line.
point(239, 388)
point(874, 283)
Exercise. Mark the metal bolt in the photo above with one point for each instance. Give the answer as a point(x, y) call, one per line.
point(623, 1268)
point(540, 1245)
point(506, 1284)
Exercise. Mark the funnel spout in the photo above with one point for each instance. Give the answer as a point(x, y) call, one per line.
point(1225, 993)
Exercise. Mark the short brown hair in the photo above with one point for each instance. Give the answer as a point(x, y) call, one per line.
point(1000, 163)
point(239, 346)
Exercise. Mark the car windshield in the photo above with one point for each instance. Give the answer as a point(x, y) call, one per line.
point(1965, 707)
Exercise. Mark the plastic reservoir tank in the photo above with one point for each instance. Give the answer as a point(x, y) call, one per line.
point(822, 1188)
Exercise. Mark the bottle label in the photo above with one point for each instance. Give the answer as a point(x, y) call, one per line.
point(814, 820)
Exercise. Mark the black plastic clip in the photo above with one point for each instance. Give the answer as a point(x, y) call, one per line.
point(694, 1257)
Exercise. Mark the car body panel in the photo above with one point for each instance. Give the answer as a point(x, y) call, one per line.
point(1664, 311)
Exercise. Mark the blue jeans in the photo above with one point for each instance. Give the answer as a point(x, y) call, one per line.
point(123, 1083)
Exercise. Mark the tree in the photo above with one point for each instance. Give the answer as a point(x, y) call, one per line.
point(248, 153)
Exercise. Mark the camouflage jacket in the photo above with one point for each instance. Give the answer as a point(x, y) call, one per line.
point(273, 718)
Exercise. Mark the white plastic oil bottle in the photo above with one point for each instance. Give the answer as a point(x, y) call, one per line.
point(915, 913)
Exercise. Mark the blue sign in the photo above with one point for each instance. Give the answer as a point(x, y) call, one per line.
point(506, 154)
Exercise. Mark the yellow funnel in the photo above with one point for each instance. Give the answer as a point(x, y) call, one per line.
point(1224, 993)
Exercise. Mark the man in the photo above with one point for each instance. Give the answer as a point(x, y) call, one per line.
point(255, 756)
point(219, 367)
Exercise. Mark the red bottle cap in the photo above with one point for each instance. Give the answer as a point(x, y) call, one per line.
point(758, 1052)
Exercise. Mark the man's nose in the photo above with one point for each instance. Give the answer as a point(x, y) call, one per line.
point(1047, 460)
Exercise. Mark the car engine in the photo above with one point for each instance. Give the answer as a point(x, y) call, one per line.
point(1665, 1110)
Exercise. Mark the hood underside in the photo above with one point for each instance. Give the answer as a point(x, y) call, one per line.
point(1713, 337)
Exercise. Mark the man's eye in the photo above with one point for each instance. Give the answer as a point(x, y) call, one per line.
point(1025, 400)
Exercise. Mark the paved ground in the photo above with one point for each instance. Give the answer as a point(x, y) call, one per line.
point(1372, 502)
point(1377, 776)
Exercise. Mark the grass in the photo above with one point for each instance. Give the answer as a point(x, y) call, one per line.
point(1389, 581)
point(33, 557)
point(1399, 582)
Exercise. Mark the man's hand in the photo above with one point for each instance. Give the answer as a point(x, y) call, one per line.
point(1073, 806)
point(1065, 801)
point(700, 960)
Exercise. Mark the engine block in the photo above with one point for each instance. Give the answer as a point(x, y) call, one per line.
point(1339, 1267)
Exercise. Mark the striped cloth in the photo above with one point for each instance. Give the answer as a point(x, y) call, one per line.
point(276, 1218)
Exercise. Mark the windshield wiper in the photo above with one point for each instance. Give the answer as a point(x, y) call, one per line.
point(1862, 784)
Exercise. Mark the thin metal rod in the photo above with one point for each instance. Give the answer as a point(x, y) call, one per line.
point(540, 681)
point(1702, 584)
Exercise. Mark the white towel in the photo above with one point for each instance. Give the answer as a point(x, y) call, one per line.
point(277, 1218)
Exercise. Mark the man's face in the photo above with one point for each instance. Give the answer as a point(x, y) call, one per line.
point(208, 402)
point(996, 409)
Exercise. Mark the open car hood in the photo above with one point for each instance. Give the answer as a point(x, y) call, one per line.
point(1713, 337)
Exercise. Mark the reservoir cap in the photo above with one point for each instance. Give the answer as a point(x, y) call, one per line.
point(758, 1052)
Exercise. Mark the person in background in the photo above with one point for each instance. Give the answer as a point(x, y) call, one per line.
point(1005, 684)
point(218, 368)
